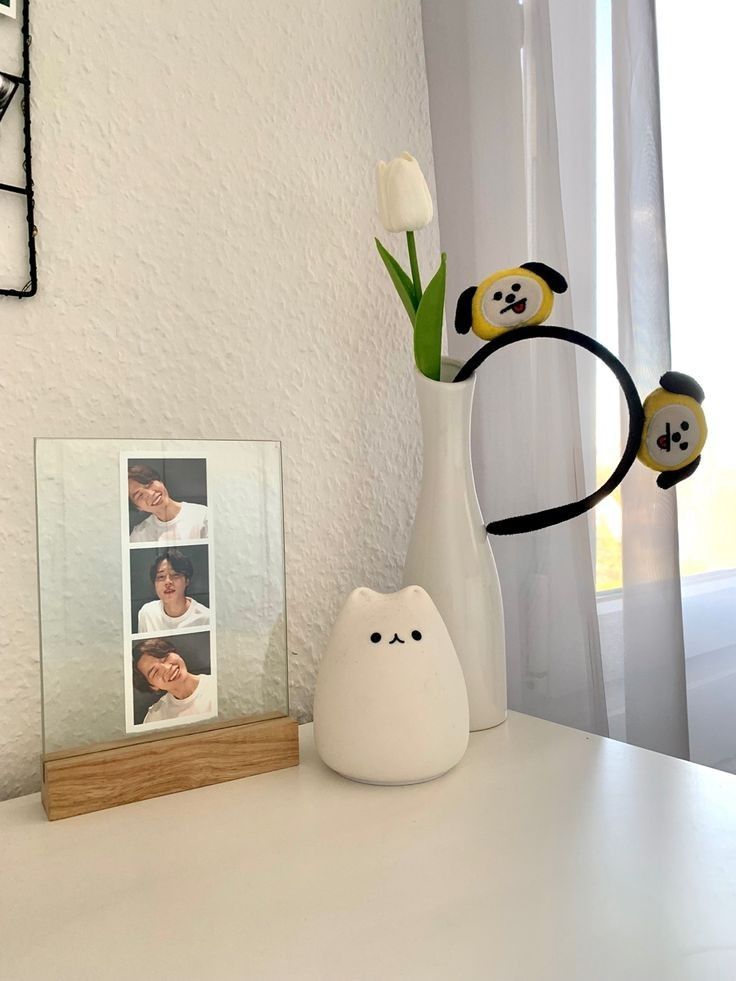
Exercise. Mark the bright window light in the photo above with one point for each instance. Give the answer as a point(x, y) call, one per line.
point(695, 67)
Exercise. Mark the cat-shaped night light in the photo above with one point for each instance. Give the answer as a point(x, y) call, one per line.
point(390, 705)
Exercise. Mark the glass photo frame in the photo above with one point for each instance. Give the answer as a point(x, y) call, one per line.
point(161, 586)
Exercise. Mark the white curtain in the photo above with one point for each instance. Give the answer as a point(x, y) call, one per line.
point(655, 697)
point(499, 193)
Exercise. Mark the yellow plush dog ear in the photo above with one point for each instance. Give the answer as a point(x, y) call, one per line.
point(464, 310)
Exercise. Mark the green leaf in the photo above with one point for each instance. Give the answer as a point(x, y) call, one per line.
point(402, 282)
point(428, 325)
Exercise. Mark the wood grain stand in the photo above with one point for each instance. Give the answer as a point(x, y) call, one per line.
point(96, 777)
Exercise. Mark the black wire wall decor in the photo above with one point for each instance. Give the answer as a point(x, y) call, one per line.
point(10, 85)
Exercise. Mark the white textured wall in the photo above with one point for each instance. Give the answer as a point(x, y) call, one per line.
point(206, 214)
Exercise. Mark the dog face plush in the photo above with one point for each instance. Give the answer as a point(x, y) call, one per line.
point(674, 428)
point(518, 297)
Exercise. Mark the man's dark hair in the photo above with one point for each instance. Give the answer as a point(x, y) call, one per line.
point(157, 647)
point(143, 474)
point(178, 562)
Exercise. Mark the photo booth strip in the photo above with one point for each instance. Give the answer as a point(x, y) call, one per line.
point(148, 551)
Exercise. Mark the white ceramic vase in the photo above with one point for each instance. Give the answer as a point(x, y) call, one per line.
point(449, 550)
point(390, 705)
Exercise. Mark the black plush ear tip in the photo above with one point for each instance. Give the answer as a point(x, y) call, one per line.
point(464, 310)
point(680, 384)
point(668, 478)
point(556, 281)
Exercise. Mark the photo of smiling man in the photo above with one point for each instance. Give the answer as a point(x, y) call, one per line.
point(171, 573)
point(172, 681)
point(168, 500)
point(169, 589)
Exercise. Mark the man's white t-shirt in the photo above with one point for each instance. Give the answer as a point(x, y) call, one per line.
point(151, 616)
point(202, 702)
point(189, 524)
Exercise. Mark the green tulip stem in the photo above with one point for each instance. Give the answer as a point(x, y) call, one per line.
point(414, 266)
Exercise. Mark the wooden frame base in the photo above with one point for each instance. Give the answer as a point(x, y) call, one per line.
point(91, 779)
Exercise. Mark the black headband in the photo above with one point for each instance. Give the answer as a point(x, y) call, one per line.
point(552, 516)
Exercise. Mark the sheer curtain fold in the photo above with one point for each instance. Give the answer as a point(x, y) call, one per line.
point(654, 657)
point(496, 124)
point(515, 169)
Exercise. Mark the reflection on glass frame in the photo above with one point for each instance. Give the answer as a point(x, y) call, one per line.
point(129, 618)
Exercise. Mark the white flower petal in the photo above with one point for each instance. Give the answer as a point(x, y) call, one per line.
point(404, 201)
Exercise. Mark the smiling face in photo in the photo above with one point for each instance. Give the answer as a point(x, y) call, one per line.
point(162, 674)
point(170, 585)
point(148, 497)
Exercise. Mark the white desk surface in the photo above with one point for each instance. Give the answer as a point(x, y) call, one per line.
point(546, 854)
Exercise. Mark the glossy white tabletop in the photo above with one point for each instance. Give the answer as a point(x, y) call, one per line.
point(546, 854)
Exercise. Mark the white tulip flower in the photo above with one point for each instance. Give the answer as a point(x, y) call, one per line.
point(404, 201)
point(405, 205)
